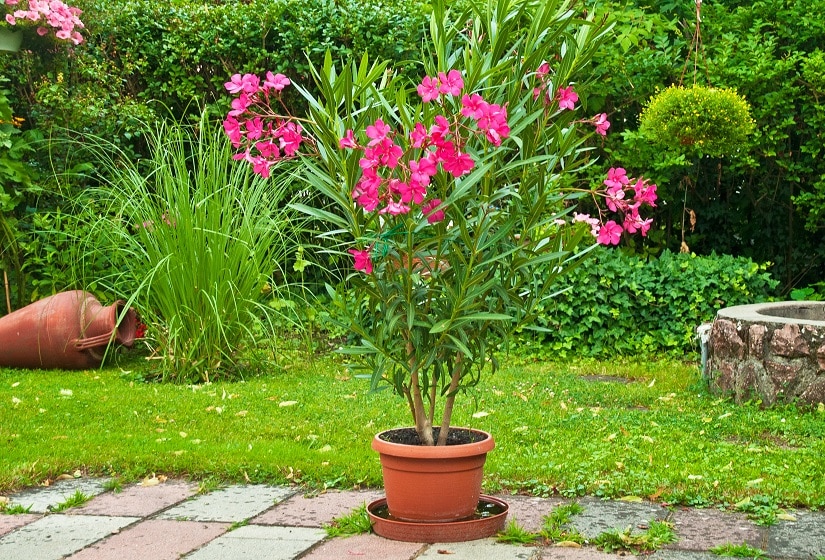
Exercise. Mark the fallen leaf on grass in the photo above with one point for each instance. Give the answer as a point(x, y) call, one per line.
point(568, 544)
point(786, 517)
point(153, 480)
point(481, 414)
point(287, 403)
point(633, 499)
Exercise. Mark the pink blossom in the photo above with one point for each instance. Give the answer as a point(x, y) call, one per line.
point(362, 259)
point(365, 192)
point(377, 132)
point(428, 89)
point(412, 191)
point(240, 104)
point(633, 222)
point(601, 123)
point(395, 208)
point(431, 210)
point(610, 233)
point(616, 177)
point(645, 192)
point(458, 164)
point(418, 135)
point(615, 198)
point(450, 83)
point(348, 141)
point(567, 98)
point(233, 130)
point(290, 137)
point(472, 106)
point(277, 81)
point(542, 70)
point(248, 83)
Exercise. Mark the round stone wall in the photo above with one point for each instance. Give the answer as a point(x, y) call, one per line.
point(774, 352)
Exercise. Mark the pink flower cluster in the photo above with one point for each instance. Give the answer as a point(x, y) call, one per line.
point(54, 13)
point(263, 137)
point(566, 98)
point(618, 186)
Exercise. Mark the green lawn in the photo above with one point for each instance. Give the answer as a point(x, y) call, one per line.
point(558, 430)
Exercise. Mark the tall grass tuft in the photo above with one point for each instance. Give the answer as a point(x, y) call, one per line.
point(197, 244)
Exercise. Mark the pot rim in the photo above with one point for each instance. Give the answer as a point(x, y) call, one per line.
point(437, 451)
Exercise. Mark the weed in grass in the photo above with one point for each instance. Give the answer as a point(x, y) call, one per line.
point(514, 533)
point(657, 535)
point(554, 528)
point(760, 509)
point(209, 484)
point(353, 523)
point(14, 509)
point(739, 551)
point(75, 500)
point(114, 485)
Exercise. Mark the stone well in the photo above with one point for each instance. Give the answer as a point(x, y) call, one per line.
point(774, 352)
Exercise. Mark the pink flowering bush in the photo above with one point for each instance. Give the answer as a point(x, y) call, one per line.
point(46, 16)
point(454, 197)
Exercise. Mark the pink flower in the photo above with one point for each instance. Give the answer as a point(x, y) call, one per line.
point(395, 208)
point(458, 164)
point(616, 177)
point(615, 198)
point(348, 141)
point(542, 70)
point(248, 83)
point(450, 83)
point(418, 135)
point(633, 222)
point(567, 98)
point(362, 259)
point(233, 130)
point(645, 193)
point(610, 233)
point(472, 106)
point(412, 191)
point(377, 132)
point(277, 82)
point(432, 212)
point(601, 123)
point(428, 89)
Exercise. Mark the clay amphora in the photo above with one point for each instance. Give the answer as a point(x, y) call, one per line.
point(69, 330)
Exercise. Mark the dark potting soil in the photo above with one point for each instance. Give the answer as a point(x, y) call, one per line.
point(408, 436)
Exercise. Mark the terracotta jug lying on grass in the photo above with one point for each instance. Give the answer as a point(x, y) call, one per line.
point(69, 330)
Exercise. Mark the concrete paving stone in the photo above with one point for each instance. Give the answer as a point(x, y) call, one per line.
point(683, 555)
point(803, 538)
point(157, 539)
point(231, 504)
point(528, 511)
point(703, 529)
point(9, 523)
point(42, 499)
point(476, 550)
point(315, 511)
point(55, 536)
point(584, 553)
point(606, 515)
point(259, 542)
point(137, 500)
point(368, 547)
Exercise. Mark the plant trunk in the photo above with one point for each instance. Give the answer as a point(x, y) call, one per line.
point(444, 431)
point(423, 426)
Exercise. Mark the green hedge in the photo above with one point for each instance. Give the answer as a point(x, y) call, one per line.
point(618, 304)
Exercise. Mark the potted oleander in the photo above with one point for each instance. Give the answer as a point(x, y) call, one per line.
point(449, 194)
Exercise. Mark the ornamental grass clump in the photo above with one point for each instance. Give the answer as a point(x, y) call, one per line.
point(698, 120)
point(451, 194)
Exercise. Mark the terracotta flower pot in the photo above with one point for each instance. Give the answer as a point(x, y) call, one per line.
point(432, 483)
point(69, 330)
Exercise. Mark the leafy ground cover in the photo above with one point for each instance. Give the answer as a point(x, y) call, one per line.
point(613, 429)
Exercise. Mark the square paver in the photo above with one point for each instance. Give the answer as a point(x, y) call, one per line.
point(474, 550)
point(364, 546)
point(55, 536)
point(138, 500)
point(584, 553)
point(529, 512)
point(231, 504)
point(600, 516)
point(803, 538)
point(258, 542)
point(315, 511)
point(43, 499)
point(9, 523)
point(157, 539)
point(683, 555)
point(703, 529)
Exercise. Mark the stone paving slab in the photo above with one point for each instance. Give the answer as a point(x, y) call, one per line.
point(607, 515)
point(56, 536)
point(684, 555)
point(138, 500)
point(367, 547)
point(703, 529)
point(584, 553)
point(154, 539)
point(476, 550)
point(258, 542)
point(528, 511)
point(9, 523)
point(231, 504)
point(315, 511)
point(43, 499)
point(803, 538)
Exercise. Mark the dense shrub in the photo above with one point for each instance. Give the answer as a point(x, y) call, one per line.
point(622, 305)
